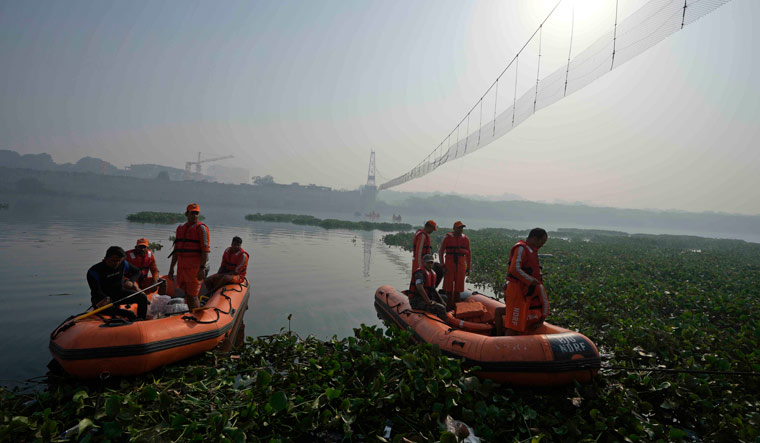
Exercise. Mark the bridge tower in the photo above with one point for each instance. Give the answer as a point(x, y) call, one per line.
point(368, 192)
point(371, 172)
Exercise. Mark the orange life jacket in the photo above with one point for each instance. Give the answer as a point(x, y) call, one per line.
point(190, 240)
point(528, 263)
point(235, 263)
point(456, 246)
point(429, 283)
point(141, 262)
point(421, 236)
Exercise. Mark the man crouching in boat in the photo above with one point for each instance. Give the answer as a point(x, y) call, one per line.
point(108, 282)
point(141, 257)
point(527, 304)
point(232, 270)
point(422, 291)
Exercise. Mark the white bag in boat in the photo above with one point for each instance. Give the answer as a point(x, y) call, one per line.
point(176, 305)
point(158, 305)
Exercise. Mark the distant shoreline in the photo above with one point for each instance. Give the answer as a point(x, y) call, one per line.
point(24, 184)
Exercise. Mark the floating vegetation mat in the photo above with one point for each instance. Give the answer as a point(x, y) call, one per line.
point(158, 217)
point(329, 223)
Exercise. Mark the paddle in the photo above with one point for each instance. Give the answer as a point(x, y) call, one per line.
point(95, 311)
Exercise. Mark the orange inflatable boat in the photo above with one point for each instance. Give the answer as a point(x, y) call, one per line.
point(549, 356)
point(101, 346)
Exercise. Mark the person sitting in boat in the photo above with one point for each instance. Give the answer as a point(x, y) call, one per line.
point(108, 282)
point(142, 258)
point(526, 303)
point(233, 267)
point(422, 293)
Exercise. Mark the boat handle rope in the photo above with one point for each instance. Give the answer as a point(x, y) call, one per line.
point(411, 311)
point(218, 311)
point(192, 317)
point(66, 324)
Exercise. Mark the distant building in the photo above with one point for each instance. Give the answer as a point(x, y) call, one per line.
point(151, 171)
point(226, 174)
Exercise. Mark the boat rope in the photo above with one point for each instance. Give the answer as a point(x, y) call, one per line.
point(193, 318)
point(66, 324)
point(230, 311)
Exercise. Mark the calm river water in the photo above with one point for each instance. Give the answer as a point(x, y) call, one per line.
point(325, 278)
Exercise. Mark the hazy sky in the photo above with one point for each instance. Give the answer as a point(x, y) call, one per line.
point(302, 90)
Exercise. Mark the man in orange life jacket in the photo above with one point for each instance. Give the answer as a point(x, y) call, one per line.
point(422, 293)
point(527, 304)
point(190, 255)
point(233, 268)
point(456, 260)
point(421, 244)
point(142, 258)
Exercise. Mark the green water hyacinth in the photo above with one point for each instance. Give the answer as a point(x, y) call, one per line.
point(329, 223)
point(158, 217)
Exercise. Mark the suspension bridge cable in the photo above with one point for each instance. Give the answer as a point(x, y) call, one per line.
point(514, 100)
point(480, 123)
point(570, 50)
point(538, 67)
point(495, 99)
point(614, 35)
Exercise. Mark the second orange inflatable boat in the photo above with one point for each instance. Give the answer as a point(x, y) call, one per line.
point(100, 346)
point(550, 356)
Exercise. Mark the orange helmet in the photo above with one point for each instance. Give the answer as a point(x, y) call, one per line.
point(142, 242)
point(432, 223)
point(193, 207)
point(458, 224)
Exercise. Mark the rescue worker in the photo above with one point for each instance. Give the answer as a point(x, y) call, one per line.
point(233, 267)
point(143, 259)
point(190, 255)
point(108, 283)
point(526, 303)
point(456, 260)
point(422, 293)
point(421, 244)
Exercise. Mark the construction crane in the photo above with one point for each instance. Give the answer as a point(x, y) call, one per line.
point(188, 165)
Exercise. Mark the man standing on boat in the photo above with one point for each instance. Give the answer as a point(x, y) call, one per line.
point(190, 255)
point(422, 293)
point(421, 244)
point(233, 267)
point(527, 304)
point(456, 260)
point(108, 283)
point(142, 258)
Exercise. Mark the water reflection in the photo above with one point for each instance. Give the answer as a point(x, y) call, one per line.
point(367, 240)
